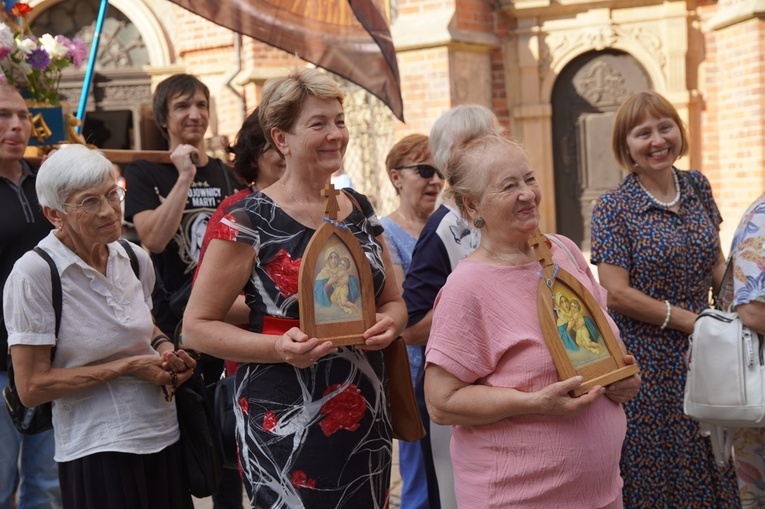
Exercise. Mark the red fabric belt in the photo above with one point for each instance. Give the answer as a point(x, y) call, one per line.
point(278, 326)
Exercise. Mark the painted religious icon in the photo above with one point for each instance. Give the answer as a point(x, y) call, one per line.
point(578, 331)
point(575, 327)
point(336, 289)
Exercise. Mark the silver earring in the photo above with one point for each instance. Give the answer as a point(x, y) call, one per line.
point(478, 222)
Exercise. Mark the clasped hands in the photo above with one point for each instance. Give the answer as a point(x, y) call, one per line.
point(296, 348)
point(178, 366)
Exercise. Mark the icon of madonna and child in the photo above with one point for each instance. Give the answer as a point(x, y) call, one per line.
point(336, 291)
point(577, 329)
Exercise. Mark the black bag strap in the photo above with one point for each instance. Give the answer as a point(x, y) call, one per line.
point(55, 283)
point(688, 178)
point(55, 279)
point(126, 244)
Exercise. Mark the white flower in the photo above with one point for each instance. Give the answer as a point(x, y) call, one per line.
point(55, 49)
point(26, 45)
point(16, 72)
point(6, 36)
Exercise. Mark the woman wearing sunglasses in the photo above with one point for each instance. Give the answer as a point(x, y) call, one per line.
point(418, 184)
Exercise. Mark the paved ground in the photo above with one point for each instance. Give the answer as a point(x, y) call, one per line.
point(395, 487)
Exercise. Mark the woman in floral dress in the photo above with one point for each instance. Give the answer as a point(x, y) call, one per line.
point(313, 420)
point(655, 242)
point(747, 295)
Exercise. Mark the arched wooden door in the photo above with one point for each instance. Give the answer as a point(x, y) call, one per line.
point(585, 98)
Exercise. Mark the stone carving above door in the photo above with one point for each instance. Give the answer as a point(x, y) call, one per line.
point(601, 84)
point(558, 47)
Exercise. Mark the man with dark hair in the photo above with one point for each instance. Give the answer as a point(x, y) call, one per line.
point(26, 458)
point(167, 202)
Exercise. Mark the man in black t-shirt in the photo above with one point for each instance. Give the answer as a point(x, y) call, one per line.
point(27, 458)
point(170, 204)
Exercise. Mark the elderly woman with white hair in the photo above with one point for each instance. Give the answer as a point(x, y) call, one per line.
point(445, 240)
point(115, 431)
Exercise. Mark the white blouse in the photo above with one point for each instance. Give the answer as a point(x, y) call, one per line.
point(103, 318)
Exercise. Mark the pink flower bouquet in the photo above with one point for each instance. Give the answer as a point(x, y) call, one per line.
point(35, 64)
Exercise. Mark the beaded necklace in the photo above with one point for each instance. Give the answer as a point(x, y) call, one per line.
point(664, 205)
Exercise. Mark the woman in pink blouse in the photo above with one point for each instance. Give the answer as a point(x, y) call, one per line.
point(519, 440)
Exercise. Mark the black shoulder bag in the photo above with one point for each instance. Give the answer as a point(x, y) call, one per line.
point(200, 443)
point(30, 421)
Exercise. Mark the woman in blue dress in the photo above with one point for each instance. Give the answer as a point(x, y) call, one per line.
point(418, 184)
point(655, 242)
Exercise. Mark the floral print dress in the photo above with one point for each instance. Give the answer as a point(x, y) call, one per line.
point(748, 285)
point(318, 437)
point(666, 462)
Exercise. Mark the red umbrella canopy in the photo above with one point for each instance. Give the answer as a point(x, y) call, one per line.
point(350, 38)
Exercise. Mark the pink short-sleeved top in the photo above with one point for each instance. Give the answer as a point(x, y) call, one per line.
point(486, 331)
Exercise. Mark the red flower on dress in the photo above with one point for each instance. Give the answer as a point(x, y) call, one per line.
point(224, 231)
point(344, 411)
point(301, 480)
point(284, 272)
point(270, 421)
point(244, 404)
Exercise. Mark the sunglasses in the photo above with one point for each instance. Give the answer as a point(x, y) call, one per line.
point(426, 171)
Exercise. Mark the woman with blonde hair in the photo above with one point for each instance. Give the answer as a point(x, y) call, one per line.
point(313, 420)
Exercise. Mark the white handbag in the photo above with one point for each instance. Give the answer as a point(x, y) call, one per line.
point(725, 388)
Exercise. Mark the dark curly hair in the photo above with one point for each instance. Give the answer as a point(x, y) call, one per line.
point(249, 145)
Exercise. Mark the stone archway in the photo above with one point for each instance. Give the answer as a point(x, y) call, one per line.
point(584, 100)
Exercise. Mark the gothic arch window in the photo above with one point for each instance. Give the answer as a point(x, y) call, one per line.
point(118, 113)
point(121, 44)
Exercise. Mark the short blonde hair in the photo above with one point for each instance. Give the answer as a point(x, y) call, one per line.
point(631, 112)
point(283, 98)
point(468, 178)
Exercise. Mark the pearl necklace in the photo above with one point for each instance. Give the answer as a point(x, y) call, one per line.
point(664, 205)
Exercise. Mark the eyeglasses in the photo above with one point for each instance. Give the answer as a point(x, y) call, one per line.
point(92, 204)
point(426, 171)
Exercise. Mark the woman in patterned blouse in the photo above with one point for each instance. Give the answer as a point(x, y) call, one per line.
point(655, 242)
point(747, 295)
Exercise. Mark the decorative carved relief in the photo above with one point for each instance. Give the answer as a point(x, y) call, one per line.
point(127, 93)
point(600, 84)
point(555, 45)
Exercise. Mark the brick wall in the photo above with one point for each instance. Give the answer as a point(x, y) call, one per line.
point(733, 135)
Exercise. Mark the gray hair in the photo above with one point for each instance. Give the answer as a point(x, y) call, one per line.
point(468, 178)
point(71, 168)
point(458, 126)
